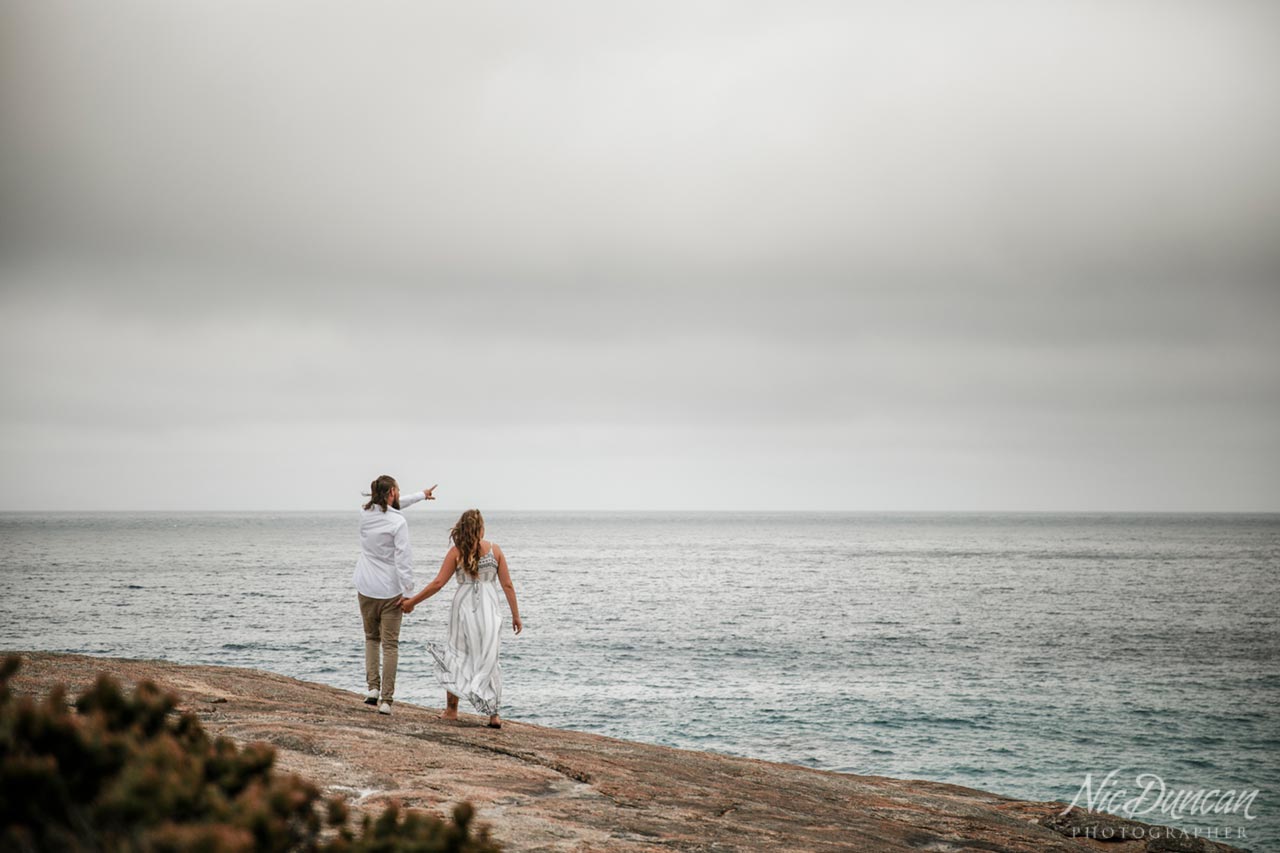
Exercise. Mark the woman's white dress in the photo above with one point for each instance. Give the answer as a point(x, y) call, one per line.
point(467, 665)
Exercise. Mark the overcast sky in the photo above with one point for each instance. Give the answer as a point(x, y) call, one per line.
point(1011, 255)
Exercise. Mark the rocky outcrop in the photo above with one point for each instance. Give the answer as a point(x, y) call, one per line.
point(543, 789)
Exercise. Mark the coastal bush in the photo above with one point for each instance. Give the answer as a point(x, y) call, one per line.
point(121, 772)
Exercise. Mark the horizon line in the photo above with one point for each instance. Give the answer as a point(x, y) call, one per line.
point(703, 511)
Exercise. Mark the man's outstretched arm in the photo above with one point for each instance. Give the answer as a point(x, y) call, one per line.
point(412, 498)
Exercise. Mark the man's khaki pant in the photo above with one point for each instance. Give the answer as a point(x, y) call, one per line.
point(381, 631)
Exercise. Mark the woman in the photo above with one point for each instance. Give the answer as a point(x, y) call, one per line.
point(468, 664)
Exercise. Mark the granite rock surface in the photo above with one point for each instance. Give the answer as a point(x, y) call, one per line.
point(542, 789)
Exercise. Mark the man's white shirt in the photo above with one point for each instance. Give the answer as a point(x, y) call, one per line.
point(385, 566)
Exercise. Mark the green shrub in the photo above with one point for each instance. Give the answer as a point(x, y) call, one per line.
point(124, 773)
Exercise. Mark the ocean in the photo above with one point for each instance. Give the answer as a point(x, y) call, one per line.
point(1017, 653)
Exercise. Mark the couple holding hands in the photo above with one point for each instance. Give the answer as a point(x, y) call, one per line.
point(467, 664)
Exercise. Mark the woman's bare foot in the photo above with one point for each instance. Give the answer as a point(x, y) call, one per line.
point(450, 707)
point(449, 714)
point(494, 722)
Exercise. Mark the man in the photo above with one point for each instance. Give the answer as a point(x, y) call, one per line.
point(384, 574)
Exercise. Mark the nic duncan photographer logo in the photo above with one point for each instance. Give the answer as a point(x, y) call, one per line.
point(1152, 799)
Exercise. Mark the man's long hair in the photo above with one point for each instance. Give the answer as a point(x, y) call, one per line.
point(466, 536)
point(380, 493)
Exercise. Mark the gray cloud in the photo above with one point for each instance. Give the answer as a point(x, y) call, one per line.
point(685, 141)
point(915, 255)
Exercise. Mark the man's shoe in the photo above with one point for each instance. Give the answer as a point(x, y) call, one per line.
point(384, 708)
point(371, 697)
